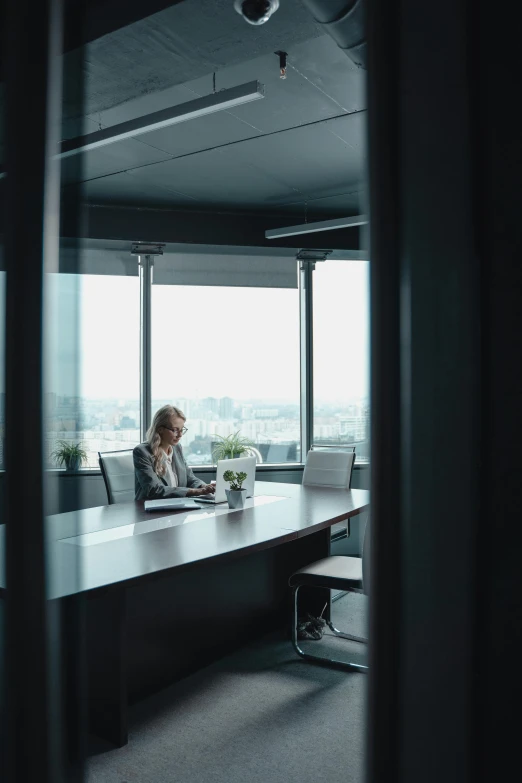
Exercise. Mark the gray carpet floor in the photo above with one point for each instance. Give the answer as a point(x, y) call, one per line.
point(260, 715)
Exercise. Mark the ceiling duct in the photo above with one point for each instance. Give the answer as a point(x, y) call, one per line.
point(344, 21)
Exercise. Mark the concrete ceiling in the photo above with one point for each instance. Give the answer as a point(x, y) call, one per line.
point(299, 151)
point(190, 39)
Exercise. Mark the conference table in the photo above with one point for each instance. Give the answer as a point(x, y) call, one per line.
point(165, 593)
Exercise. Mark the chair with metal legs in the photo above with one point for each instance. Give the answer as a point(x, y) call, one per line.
point(349, 574)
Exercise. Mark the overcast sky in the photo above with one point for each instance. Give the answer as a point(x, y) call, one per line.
point(207, 341)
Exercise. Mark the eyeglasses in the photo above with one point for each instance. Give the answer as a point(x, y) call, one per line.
point(176, 431)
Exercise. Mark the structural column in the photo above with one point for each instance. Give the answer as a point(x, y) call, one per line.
point(307, 260)
point(306, 338)
point(145, 255)
point(427, 466)
point(32, 80)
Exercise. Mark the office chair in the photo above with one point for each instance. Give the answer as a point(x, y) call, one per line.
point(253, 452)
point(117, 469)
point(349, 574)
point(329, 468)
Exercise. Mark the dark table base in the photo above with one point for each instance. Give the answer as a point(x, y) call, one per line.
point(144, 636)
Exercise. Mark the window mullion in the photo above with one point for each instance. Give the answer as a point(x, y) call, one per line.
point(145, 265)
point(306, 268)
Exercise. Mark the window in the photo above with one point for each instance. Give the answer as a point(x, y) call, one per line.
point(225, 349)
point(229, 357)
point(341, 353)
point(92, 383)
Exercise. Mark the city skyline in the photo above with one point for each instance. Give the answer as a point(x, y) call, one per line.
point(105, 424)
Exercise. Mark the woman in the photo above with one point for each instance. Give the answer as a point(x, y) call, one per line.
point(159, 465)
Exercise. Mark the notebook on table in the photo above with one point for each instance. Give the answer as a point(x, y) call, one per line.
point(170, 504)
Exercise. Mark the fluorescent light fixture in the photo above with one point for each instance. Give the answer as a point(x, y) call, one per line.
point(200, 107)
point(311, 228)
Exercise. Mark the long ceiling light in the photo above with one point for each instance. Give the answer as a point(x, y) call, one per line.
point(311, 228)
point(200, 107)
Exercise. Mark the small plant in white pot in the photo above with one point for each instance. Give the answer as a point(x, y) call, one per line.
point(237, 493)
point(72, 455)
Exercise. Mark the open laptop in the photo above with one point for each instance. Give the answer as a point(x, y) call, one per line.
point(241, 464)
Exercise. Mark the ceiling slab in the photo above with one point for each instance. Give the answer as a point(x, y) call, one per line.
point(300, 151)
point(84, 24)
point(113, 158)
point(211, 180)
point(307, 159)
point(287, 103)
point(194, 227)
point(199, 134)
point(269, 172)
point(299, 98)
point(128, 189)
point(181, 43)
point(340, 204)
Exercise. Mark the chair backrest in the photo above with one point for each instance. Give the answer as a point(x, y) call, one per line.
point(117, 469)
point(366, 557)
point(253, 452)
point(329, 468)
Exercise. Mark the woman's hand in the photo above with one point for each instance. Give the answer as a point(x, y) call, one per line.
point(207, 489)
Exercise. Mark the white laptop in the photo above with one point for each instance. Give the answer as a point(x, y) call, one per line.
point(240, 465)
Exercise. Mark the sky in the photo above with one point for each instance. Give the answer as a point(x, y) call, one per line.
point(207, 341)
point(341, 330)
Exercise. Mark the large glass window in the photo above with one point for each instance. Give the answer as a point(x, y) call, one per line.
point(341, 352)
point(97, 406)
point(229, 357)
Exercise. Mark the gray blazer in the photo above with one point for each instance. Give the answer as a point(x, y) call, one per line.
point(149, 485)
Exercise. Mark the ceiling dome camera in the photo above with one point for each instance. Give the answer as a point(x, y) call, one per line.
point(256, 11)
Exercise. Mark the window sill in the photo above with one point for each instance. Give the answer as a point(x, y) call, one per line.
point(263, 468)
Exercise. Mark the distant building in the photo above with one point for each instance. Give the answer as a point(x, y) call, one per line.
point(226, 408)
point(211, 404)
point(353, 428)
point(246, 411)
point(265, 413)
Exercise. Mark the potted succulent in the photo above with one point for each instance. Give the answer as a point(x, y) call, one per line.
point(230, 447)
point(237, 493)
point(72, 455)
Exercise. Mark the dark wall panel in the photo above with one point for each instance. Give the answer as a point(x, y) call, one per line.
point(190, 227)
point(90, 489)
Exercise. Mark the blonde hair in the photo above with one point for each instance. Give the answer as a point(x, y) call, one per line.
point(162, 418)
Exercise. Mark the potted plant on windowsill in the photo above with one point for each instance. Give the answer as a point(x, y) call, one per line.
point(230, 447)
point(237, 493)
point(72, 455)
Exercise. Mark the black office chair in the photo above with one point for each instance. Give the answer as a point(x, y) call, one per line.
point(349, 574)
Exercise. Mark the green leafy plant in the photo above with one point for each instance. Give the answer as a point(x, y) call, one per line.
point(230, 446)
point(234, 479)
point(69, 454)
